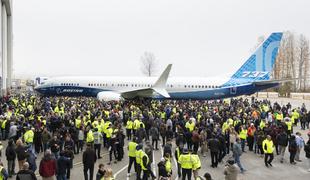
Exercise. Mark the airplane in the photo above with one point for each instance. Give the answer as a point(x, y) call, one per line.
point(253, 76)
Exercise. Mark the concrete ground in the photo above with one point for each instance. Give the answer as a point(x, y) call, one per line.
point(253, 163)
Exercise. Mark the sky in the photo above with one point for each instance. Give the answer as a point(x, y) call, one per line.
point(108, 37)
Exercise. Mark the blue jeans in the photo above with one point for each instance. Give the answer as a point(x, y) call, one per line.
point(242, 144)
point(237, 160)
point(61, 177)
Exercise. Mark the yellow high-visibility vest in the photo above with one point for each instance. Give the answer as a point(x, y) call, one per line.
point(129, 124)
point(109, 132)
point(138, 156)
point(196, 161)
point(3, 124)
point(243, 134)
point(136, 124)
point(168, 166)
point(190, 126)
point(144, 166)
point(90, 137)
point(186, 161)
point(132, 149)
point(268, 146)
point(28, 136)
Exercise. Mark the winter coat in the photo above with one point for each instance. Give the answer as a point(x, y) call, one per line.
point(26, 175)
point(282, 139)
point(292, 148)
point(231, 172)
point(100, 174)
point(214, 145)
point(32, 162)
point(162, 169)
point(21, 153)
point(63, 164)
point(89, 157)
point(47, 166)
point(10, 153)
point(307, 149)
point(154, 133)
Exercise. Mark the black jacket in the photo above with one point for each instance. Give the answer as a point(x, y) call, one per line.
point(63, 164)
point(214, 145)
point(292, 148)
point(162, 169)
point(282, 139)
point(89, 157)
point(10, 153)
point(21, 153)
point(307, 149)
point(26, 175)
point(100, 174)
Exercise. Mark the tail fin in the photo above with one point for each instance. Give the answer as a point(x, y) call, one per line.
point(260, 64)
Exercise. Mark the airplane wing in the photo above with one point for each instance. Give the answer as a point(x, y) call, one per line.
point(273, 81)
point(158, 87)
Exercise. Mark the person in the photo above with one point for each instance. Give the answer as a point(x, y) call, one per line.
point(68, 153)
point(268, 148)
point(148, 149)
point(146, 166)
point(155, 136)
point(243, 137)
point(63, 164)
point(25, 173)
point(89, 160)
point(10, 157)
point(132, 145)
point(186, 164)
point(138, 161)
point(207, 176)
point(231, 170)
point(250, 136)
point(47, 168)
point(177, 154)
point(196, 164)
point(282, 140)
point(300, 144)
point(101, 172)
point(129, 126)
point(97, 142)
point(80, 140)
point(237, 152)
point(21, 152)
point(3, 173)
point(162, 173)
point(46, 136)
point(28, 138)
point(214, 146)
point(31, 159)
point(55, 146)
point(292, 148)
point(307, 151)
point(108, 175)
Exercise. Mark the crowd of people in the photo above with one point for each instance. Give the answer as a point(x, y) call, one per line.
point(62, 127)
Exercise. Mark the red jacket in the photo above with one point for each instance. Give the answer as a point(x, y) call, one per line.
point(47, 167)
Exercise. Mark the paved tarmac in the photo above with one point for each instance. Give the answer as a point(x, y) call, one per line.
point(253, 163)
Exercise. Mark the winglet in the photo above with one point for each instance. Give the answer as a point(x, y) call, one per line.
point(162, 80)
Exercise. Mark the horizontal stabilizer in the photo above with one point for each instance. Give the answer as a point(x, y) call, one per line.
point(274, 81)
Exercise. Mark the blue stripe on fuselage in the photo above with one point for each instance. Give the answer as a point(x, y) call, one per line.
point(217, 93)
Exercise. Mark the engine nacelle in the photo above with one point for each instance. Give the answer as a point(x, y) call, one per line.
point(109, 96)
